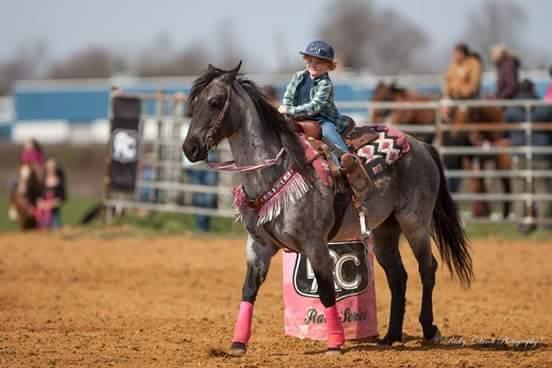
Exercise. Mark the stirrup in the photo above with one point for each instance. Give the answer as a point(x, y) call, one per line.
point(365, 233)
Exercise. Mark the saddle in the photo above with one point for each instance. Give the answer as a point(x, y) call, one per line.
point(355, 136)
point(352, 181)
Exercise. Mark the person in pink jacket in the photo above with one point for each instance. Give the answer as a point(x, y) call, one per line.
point(548, 93)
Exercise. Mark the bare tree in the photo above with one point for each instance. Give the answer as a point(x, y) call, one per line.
point(495, 22)
point(228, 51)
point(28, 60)
point(188, 61)
point(398, 44)
point(92, 62)
point(349, 26)
point(380, 40)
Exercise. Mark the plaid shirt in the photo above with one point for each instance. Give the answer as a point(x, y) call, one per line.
point(321, 103)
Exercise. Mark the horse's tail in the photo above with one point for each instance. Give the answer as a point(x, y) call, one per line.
point(447, 229)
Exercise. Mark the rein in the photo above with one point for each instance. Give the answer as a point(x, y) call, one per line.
point(232, 167)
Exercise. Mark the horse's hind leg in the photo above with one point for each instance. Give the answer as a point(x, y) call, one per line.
point(322, 266)
point(420, 242)
point(258, 262)
point(386, 239)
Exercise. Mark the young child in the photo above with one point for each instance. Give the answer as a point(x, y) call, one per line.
point(310, 94)
point(54, 196)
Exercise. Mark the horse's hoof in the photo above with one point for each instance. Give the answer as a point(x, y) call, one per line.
point(238, 349)
point(334, 351)
point(436, 336)
point(388, 340)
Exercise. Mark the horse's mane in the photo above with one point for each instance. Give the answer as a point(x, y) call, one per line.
point(275, 121)
point(270, 117)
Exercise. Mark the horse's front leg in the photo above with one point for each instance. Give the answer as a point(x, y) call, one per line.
point(319, 257)
point(259, 255)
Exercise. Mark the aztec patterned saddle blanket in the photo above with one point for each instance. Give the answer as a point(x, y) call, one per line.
point(377, 146)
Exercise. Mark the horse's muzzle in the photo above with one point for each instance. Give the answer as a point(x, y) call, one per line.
point(194, 151)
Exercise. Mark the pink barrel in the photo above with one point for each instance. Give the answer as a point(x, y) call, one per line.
point(354, 286)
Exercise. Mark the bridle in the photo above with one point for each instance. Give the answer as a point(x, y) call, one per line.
point(217, 123)
point(231, 165)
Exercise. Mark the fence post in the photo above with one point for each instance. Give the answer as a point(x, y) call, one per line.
point(529, 182)
point(439, 128)
point(158, 146)
point(140, 169)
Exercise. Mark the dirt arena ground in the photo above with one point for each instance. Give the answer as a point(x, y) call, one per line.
point(99, 300)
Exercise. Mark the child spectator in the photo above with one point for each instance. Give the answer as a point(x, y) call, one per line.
point(54, 196)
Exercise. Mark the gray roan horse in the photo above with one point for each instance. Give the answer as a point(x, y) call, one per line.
point(411, 197)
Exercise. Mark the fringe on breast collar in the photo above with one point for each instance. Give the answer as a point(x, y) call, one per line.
point(288, 189)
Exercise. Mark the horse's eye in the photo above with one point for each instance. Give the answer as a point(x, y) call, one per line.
point(215, 102)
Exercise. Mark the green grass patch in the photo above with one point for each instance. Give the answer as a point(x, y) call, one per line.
point(504, 231)
point(134, 223)
point(170, 223)
point(154, 222)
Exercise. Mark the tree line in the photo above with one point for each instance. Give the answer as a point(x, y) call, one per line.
point(369, 38)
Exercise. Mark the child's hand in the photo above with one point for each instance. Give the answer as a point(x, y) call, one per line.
point(282, 109)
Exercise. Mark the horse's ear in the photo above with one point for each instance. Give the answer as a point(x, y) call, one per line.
point(232, 74)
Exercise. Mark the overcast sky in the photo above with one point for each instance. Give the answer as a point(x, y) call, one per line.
point(259, 26)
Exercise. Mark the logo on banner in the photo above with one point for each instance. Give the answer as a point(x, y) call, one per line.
point(351, 276)
point(125, 145)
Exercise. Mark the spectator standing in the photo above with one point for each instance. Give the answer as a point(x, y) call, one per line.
point(507, 81)
point(33, 155)
point(548, 92)
point(463, 77)
point(541, 185)
point(462, 81)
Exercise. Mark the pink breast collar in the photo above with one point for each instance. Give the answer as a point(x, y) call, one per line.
point(288, 189)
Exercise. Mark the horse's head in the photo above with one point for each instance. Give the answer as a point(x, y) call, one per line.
point(385, 93)
point(210, 104)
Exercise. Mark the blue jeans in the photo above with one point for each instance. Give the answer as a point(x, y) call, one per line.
point(203, 200)
point(56, 220)
point(331, 135)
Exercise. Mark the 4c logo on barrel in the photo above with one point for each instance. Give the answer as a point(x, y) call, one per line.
point(350, 271)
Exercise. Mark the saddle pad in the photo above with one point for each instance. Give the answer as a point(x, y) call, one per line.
point(383, 151)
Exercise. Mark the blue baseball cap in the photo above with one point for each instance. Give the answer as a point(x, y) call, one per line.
point(319, 49)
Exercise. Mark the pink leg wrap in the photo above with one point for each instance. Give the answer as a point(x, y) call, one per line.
point(336, 337)
point(242, 330)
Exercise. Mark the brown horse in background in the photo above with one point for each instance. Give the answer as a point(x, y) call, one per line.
point(463, 115)
point(392, 93)
point(457, 117)
point(24, 197)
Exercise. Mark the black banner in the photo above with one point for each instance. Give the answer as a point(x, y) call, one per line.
point(351, 274)
point(124, 143)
